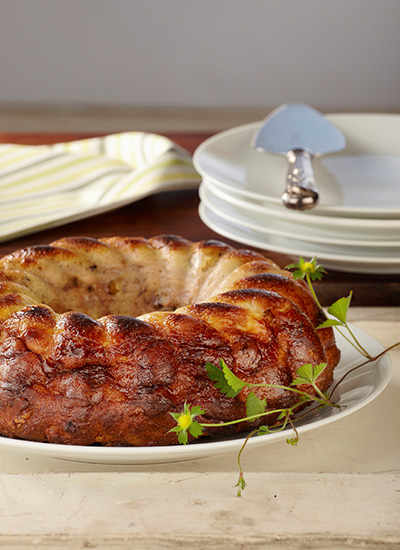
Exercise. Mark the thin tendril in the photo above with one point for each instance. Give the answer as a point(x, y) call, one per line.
point(294, 429)
point(241, 478)
point(360, 350)
point(312, 290)
point(372, 360)
point(365, 352)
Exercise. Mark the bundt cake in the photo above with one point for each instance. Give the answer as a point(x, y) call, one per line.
point(101, 339)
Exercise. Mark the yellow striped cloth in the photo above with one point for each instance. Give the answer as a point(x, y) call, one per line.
point(45, 186)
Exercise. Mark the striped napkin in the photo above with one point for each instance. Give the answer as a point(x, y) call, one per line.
point(45, 186)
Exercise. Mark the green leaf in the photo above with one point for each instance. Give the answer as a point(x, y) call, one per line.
point(217, 375)
point(317, 274)
point(330, 323)
point(308, 374)
point(263, 430)
point(235, 383)
point(340, 307)
point(291, 266)
point(225, 381)
point(176, 429)
point(183, 437)
point(298, 274)
point(293, 441)
point(196, 410)
point(304, 375)
point(195, 429)
point(318, 369)
point(255, 405)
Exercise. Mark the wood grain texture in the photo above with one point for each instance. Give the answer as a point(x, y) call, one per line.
point(177, 213)
point(178, 510)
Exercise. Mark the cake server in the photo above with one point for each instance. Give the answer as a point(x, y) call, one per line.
point(299, 132)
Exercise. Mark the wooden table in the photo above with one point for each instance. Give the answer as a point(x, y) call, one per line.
point(339, 488)
point(176, 213)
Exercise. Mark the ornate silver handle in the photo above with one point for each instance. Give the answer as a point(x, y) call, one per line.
point(301, 192)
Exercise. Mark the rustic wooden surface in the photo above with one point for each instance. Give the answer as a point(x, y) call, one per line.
point(176, 213)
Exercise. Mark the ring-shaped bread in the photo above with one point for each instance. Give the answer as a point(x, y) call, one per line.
point(101, 339)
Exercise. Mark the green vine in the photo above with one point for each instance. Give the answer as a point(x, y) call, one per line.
point(230, 385)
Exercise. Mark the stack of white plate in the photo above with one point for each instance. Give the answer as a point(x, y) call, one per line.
point(356, 225)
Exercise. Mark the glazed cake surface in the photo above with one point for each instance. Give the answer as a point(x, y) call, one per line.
point(101, 339)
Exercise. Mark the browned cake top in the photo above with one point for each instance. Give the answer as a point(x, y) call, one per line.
point(101, 339)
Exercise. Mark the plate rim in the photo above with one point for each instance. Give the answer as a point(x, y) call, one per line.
point(310, 219)
point(338, 259)
point(204, 189)
point(323, 209)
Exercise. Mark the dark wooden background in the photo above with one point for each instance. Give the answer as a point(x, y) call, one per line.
point(176, 213)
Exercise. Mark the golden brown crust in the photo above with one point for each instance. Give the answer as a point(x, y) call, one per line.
point(97, 345)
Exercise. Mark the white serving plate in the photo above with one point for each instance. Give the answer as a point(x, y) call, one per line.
point(338, 261)
point(329, 226)
point(360, 388)
point(263, 224)
point(360, 181)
